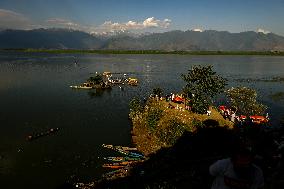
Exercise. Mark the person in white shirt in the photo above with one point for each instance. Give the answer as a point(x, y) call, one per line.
point(237, 172)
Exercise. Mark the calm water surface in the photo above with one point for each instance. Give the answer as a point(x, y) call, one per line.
point(35, 96)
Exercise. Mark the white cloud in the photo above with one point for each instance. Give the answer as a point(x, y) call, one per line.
point(151, 22)
point(13, 20)
point(259, 30)
point(62, 23)
point(133, 25)
point(197, 30)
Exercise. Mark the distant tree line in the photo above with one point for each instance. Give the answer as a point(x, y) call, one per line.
point(267, 53)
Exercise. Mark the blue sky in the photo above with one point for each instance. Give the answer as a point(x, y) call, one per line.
point(144, 15)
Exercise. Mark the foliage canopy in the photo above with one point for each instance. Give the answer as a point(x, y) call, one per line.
point(157, 91)
point(97, 79)
point(135, 106)
point(202, 84)
point(245, 100)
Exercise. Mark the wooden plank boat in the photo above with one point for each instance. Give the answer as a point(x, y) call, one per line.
point(258, 119)
point(80, 87)
point(119, 147)
point(86, 85)
point(120, 159)
point(113, 166)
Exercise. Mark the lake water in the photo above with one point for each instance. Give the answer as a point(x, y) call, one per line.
point(35, 96)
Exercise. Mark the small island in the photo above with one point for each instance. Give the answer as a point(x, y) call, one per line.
point(180, 135)
point(105, 81)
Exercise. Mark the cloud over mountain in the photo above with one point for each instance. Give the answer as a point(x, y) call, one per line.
point(150, 22)
point(259, 30)
point(14, 20)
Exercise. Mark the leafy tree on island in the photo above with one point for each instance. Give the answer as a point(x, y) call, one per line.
point(98, 79)
point(245, 101)
point(202, 85)
point(157, 91)
point(135, 107)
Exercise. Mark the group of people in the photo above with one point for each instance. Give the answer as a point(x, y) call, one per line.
point(229, 113)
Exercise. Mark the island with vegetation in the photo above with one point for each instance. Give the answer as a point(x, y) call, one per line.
point(181, 135)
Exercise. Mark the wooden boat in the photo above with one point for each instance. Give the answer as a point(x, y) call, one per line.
point(132, 81)
point(107, 74)
point(107, 146)
point(80, 87)
point(124, 152)
point(83, 86)
point(119, 147)
point(113, 166)
point(120, 159)
point(124, 163)
point(135, 155)
point(258, 119)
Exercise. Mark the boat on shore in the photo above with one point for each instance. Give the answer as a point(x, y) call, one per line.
point(122, 159)
point(124, 150)
point(110, 146)
point(119, 164)
point(259, 119)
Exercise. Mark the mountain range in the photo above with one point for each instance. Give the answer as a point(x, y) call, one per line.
point(208, 40)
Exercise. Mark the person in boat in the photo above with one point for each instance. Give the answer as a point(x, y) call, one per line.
point(237, 172)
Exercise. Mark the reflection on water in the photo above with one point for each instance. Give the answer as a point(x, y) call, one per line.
point(35, 96)
point(98, 92)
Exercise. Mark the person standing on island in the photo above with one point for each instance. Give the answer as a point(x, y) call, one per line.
point(237, 172)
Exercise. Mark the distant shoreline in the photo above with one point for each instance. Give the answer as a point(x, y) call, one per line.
point(85, 51)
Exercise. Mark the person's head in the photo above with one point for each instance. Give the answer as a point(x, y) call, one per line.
point(242, 159)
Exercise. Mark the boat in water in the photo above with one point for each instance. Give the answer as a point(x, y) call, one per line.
point(259, 119)
point(132, 81)
point(83, 86)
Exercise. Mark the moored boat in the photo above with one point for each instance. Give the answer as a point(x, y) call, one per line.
point(120, 159)
point(132, 81)
point(258, 119)
point(83, 86)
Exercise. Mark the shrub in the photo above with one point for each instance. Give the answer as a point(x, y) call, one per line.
point(169, 134)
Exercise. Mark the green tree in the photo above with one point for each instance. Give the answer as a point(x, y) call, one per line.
point(169, 135)
point(202, 85)
point(153, 115)
point(157, 91)
point(245, 100)
point(97, 79)
point(135, 106)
